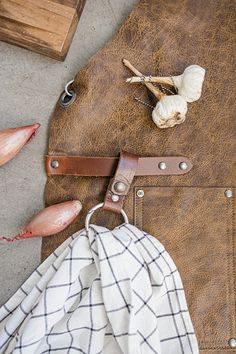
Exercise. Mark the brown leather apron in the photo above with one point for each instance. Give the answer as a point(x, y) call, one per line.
point(192, 214)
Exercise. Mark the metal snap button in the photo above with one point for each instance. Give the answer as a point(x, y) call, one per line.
point(55, 164)
point(119, 187)
point(232, 342)
point(183, 166)
point(162, 165)
point(140, 193)
point(228, 193)
point(115, 198)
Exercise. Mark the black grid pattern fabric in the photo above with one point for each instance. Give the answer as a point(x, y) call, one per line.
point(108, 292)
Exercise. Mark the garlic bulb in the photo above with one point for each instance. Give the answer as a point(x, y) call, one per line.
point(189, 84)
point(12, 141)
point(49, 221)
point(170, 111)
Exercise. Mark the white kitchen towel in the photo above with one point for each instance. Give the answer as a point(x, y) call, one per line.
point(107, 292)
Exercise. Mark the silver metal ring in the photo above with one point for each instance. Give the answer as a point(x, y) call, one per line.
point(99, 206)
point(69, 93)
point(67, 100)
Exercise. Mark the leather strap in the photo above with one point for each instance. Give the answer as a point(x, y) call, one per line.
point(106, 166)
point(120, 184)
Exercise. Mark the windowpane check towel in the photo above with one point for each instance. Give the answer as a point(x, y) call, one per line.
point(108, 292)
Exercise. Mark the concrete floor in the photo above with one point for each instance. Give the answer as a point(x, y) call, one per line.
point(30, 86)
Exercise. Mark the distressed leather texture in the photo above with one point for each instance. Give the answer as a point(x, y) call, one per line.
point(190, 213)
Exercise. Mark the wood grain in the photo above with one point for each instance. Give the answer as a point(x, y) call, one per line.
point(45, 26)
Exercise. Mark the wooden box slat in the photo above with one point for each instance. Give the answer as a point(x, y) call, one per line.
point(45, 26)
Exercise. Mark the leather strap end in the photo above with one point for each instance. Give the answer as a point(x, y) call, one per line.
point(120, 184)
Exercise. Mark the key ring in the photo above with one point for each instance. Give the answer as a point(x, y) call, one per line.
point(69, 93)
point(99, 206)
point(67, 96)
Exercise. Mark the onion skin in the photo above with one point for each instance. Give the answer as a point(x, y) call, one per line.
point(12, 141)
point(49, 221)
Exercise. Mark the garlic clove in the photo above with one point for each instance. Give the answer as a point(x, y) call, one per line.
point(190, 83)
point(12, 141)
point(49, 221)
point(170, 111)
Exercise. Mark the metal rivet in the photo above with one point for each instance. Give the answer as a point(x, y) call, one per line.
point(55, 164)
point(140, 193)
point(162, 165)
point(228, 193)
point(232, 342)
point(119, 187)
point(115, 198)
point(183, 165)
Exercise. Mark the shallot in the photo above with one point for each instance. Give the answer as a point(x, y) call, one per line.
point(12, 141)
point(49, 221)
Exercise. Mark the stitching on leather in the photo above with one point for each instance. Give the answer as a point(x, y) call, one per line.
point(135, 207)
point(210, 350)
point(141, 213)
point(220, 346)
point(138, 214)
point(234, 255)
point(141, 216)
point(230, 257)
point(228, 260)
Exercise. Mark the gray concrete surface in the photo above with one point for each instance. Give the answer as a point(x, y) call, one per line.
point(30, 85)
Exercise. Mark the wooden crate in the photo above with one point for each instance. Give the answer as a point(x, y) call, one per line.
point(44, 26)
